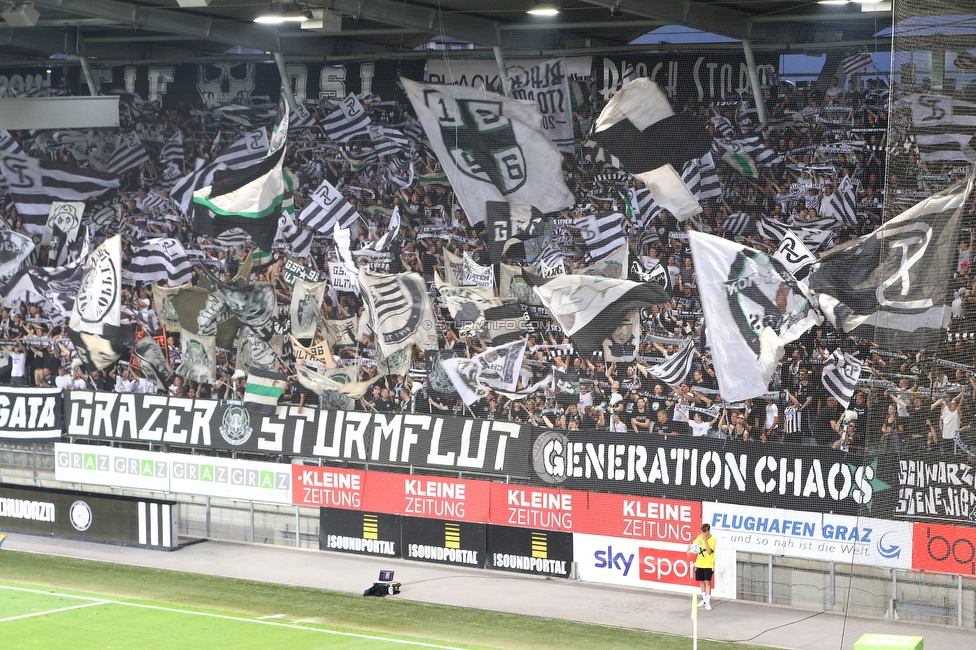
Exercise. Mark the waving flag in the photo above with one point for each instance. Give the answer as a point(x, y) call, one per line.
point(348, 120)
point(327, 208)
point(491, 148)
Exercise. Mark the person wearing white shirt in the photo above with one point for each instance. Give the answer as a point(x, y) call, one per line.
point(145, 386)
point(63, 380)
point(123, 384)
point(79, 382)
point(18, 367)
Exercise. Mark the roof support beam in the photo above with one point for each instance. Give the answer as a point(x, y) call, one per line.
point(171, 22)
point(435, 21)
point(43, 40)
point(707, 17)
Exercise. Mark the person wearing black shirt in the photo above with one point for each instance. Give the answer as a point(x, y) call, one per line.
point(664, 426)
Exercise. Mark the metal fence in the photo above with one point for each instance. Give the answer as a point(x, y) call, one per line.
point(801, 584)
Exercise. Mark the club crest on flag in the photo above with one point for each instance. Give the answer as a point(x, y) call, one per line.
point(761, 294)
point(99, 287)
point(481, 140)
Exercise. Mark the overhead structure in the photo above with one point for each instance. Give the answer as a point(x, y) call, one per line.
point(118, 31)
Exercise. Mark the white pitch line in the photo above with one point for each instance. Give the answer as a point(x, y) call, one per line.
point(99, 601)
point(262, 618)
point(53, 611)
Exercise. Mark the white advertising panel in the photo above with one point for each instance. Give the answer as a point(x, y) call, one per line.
point(124, 468)
point(246, 480)
point(654, 565)
point(182, 473)
point(811, 535)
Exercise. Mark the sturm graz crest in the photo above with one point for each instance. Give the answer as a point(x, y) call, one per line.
point(235, 427)
point(481, 140)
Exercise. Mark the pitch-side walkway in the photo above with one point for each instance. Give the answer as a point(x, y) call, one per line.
point(506, 592)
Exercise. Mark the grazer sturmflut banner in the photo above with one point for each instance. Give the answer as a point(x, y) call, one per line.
point(706, 469)
point(404, 439)
point(30, 413)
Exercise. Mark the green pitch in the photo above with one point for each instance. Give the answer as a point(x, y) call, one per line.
point(35, 618)
point(55, 602)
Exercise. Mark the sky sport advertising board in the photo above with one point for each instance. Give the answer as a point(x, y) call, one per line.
point(812, 536)
point(651, 565)
point(171, 472)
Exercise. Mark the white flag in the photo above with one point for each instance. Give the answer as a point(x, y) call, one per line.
point(495, 368)
point(99, 299)
point(794, 255)
point(491, 148)
point(753, 308)
point(400, 310)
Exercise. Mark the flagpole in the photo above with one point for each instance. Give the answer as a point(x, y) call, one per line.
point(694, 618)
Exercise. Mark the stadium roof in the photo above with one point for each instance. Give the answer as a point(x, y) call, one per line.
point(161, 31)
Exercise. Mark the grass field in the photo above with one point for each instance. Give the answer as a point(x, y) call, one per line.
point(50, 602)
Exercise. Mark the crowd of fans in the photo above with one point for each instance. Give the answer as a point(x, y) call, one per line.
point(820, 136)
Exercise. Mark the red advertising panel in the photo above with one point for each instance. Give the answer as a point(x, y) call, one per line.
point(947, 549)
point(328, 487)
point(539, 508)
point(656, 520)
point(669, 567)
point(427, 496)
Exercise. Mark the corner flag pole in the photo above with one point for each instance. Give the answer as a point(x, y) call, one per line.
point(694, 618)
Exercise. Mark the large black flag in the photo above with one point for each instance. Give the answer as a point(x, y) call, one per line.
point(892, 285)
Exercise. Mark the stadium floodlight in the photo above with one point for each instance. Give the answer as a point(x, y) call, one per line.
point(547, 9)
point(276, 15)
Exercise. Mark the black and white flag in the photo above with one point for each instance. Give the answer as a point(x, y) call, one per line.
point(326, 209)
point(930, 111)
point(15, 248)
point(348, 120)
point(947, 147)
point(639, 129)
point(476, 275)
point(172, 151)
point(56, 287)
point(795, 256)
point(854, 64)
point(152, 363)
point(99, 301)
point(591, 308)
point(494, 369)
point(841, 204)
point(673, 370)
point(293, 236)
point(602, 234)
point(245, 151)
point(301, 118)
point(159, 260)
point(306, 302)
point(892, 285)
point(35, 184)
point(387, 141)
point(840, 375)
point(400, 311)
point(129, 153)
point(813, 238)
point(380, 246)
point(737, 224)
point(491, 148)
point(701, 178)
point(753, 308)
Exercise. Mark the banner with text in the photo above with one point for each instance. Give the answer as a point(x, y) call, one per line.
point(655, 565)
point(812, 536)
point(705, 469)
point(30, 413)
point(404, 439)
point(170, 472)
